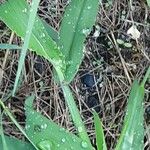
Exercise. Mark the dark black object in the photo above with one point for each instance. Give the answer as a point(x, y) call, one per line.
point(88, 80)
point(147, 110)
point(93, 102)
point(39, 68)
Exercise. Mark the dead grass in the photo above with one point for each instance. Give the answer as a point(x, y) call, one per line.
point(118, 68)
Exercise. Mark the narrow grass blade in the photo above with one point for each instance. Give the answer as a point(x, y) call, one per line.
point(77, 22)
point(15, 144)
point(51, 31)
point(75, 114)
point(146, 77)
point(132, 135)
point(9, 46)
point(4, 144)
point(100, 138)
point(47, 135)
point(15, 122)
point(32, 16)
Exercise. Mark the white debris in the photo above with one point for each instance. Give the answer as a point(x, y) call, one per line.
point(134, 32)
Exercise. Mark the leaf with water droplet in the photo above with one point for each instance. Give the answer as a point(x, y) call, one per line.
point(46, 134)
point(84, 144)
point(46, 145)
point(78, 20)
point(42, 37)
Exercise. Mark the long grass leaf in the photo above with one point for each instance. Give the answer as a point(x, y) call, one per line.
point(4, 144)
point(9, 46)
point(32, 16)
point(100, 138)
point(51, 31)
point(75, 114)
point(132, 134)
point(146, 77)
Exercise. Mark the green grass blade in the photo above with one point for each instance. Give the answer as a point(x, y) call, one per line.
point(75, 114)
point(51, 31)
point(15, 14)
point(146, 77)
point(16, 123)
point(132, 134)
point(100, 138)
point(15, 144)
point(4, 144)
point(32, 16)
point(148, 2)
point(78, 20)
point(47, 135)
point(9, 46)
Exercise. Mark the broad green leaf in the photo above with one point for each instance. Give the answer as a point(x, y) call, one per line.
point(77, 22)
point(15, 14)
point(46, 135)
point(100, 138)
point(132, 135)
point(15, 144)
point(9, 46)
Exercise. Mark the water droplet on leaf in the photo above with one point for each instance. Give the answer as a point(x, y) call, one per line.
point(80, 129)
point(84, 144)
point(63, 140)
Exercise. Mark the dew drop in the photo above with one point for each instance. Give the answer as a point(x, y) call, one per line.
point(86, 31)
point(43, 35)
point(45, 145)
point(63, 140)
point(89, 7)
point(24, 10)
point(61, 129)
point(84, 144)
point(27, 127)
point(31, 10)
point(80, 129)
point(74, 140)
point(44, 126)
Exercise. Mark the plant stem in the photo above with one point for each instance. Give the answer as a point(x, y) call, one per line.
point(75, 113)
point(73, 108)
